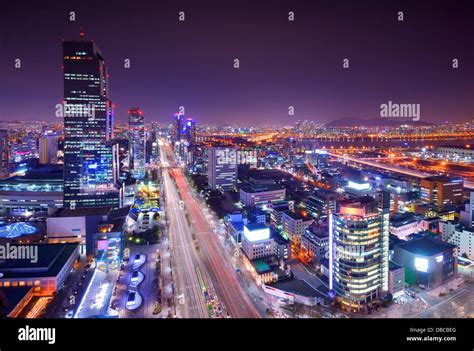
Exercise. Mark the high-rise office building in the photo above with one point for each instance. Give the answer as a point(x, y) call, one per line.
point(90, 171)
point(137, 142)
point(178, 127)
point(152, 151)
point(222, 167)
point(48, 149)
point(359, 252)
point(189, 131)
point(184, 138)
point(4, 145)
point(442, 190)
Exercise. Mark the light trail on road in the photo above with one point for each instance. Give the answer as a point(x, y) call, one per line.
point(184, 257)
point(230, 292)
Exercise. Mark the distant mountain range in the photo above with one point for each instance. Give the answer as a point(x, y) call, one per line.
point(376, 122)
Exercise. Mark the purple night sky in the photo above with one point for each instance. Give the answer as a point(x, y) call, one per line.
point(282, 63)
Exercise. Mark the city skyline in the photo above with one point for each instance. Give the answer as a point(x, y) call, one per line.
point(195, 182)
point(283, 63)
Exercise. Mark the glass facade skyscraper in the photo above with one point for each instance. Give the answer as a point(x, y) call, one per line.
point(90, 169)
point(359, 233)
point(137, 142)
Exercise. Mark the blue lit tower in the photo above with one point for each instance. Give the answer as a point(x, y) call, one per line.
point(137, 142)
point(90, 154)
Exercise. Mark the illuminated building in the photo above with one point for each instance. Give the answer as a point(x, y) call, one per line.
point(46, 274)
point(442, 190)
point(48, 149)
point(359, 250)
point(4, 153)
point(460, 236)
point(315, 241)
point(184, 138)
point(262, 194)
point(87, 225)
point(222, 168)
point(294, 225)
point(318, 158)
point(467, 216)
point(256, 241)
point(24, 149)
point(276, 215)
point(456, 153)
point(404, 224)
point(38, 191)
point(178, 127)
point(321, 202)
point(90, 155)
point(358, 188)
point(137, 143)
point(428, 262)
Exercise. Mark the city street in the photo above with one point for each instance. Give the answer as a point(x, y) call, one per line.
point(232, 295)
point(189, 296)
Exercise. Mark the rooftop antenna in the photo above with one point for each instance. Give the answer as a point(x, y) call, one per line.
point(81, 33)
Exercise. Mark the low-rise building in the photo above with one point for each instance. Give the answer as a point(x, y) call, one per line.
point(294, 225)
point(45, 274)
point(281, 247)
point(290, 291)
point(428, 262)
point(315, 241)
point(262, 194)
point(80, 225)
point(321, 202)
point(457, 153)
point(404, 224)
point(257, 242)
point(277, 213)
point(460, 236)
point(38, 191)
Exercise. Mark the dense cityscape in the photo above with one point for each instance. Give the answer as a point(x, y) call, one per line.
point(179, 220)
point(113, 212)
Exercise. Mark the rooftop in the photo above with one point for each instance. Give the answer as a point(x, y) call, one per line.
point(400, 219)
point(278, 238)
point(261, 266)
point(297, 287)
point(261, 188)
point(297, 216)
point(50, 260)
point(425, 246)
point(79, 212)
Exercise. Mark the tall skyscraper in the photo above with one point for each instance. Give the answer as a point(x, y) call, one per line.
point(222, 167)
point(48, 149)
point(90, 172)
point(184, 138)
point(358, 254)
point(178, 127)
point(189, 131)
point(4, 145)
point(137, 142)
